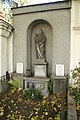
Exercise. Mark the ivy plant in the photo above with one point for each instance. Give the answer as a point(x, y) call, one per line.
point(76, 77)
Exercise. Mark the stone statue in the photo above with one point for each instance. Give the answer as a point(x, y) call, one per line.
point(40, 44)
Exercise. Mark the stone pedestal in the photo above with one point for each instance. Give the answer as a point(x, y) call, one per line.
point(38, 83)
point(59, 84)
point(19, 77)
point(40, 80)
point(40, 69)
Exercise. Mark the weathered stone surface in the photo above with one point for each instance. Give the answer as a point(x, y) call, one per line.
point(6, 52)
point(59, 84)
point(40, 68)
point(36, 82)
point(54, 19)
point(72, 114)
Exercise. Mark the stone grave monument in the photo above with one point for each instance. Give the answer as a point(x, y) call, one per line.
point(60, 80)
point(40, 67)
point(40, 79)
point(41, 41)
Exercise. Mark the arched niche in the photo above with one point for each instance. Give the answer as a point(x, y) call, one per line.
point(31, 52)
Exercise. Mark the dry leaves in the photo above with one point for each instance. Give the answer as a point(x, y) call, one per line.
point(13, 106)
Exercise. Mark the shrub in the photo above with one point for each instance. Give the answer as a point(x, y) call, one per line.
point(76, 77)
point(33, 93)
point(50, 87)
point(14, 85)
point(77, 97)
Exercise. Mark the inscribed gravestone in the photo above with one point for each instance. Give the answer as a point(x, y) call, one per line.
point(19, 68)
point(59, 70)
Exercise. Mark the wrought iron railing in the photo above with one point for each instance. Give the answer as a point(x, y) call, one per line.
point(7, 76)
point(4, 81)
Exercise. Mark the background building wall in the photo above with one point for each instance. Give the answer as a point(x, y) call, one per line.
point(75, 33)
point(6, 52)
point(58, 16)
point(75, 36)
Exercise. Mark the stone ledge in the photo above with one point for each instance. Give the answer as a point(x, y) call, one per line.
point(36, 82)
point(76, 28)
point(37, 78)
point(72, 115)
point(42, 7)
point(5, 28)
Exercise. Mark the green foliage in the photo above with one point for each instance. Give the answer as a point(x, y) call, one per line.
point(6, 10)
point(76, 93)
point(77, 97)
point(33, 93)
point(72, 91)
point(23, 2)
point(42, 108)
point(76, 76)
point(15, 85)
point(76, 73)
point(50, 87)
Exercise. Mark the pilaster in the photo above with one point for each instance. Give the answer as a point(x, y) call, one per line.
point(5, 37)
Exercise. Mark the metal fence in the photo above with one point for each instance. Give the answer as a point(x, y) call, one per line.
point(4, 81)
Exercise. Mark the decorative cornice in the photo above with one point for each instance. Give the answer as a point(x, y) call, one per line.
point(76, 28)
point(5, 28)
point(2, 16)
point(41, 7)
point(6, 25)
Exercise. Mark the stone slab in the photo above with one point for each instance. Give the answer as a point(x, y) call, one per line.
point(40, 71)
point(59, 84)
point(59, 70)
point(38, 83)
point(72, 115)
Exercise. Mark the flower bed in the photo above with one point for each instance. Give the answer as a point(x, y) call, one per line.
point(78, 111)
point(77, 100)
point(75, 93)
point(13, 106)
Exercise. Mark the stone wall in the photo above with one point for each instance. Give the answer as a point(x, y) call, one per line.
point(75, 37)
point(54, 19)
point(75, 34)
point(6, 49)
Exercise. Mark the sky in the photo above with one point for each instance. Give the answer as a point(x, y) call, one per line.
point(42, 1)
point(29, 2)
point(39, 1)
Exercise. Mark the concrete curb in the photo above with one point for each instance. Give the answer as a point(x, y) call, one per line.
point(72, 115)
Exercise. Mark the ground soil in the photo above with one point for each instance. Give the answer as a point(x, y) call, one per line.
point(13, 106)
